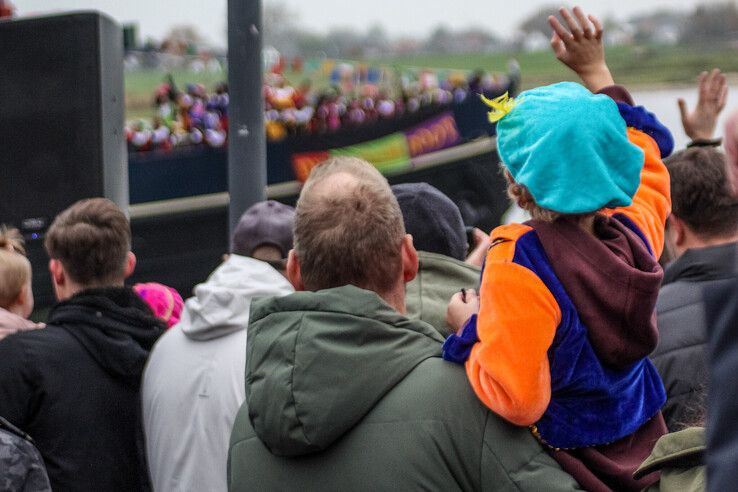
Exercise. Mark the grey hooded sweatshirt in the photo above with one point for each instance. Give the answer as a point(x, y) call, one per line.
point(193, 384)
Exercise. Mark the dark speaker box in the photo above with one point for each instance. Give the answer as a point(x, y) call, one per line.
point(61, 122)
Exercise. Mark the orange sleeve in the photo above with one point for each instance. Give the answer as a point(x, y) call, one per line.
point(518, 317)
point(652, 201)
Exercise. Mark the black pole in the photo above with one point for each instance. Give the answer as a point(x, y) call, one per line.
point(247, 170)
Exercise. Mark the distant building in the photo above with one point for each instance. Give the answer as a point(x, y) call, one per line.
point(534, 41)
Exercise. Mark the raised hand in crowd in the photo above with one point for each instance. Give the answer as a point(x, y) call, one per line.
point(580, 47)
point(700, 123)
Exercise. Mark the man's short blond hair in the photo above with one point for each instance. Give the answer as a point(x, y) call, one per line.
point(348, 228)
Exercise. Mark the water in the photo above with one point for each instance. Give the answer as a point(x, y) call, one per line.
point(663, 103)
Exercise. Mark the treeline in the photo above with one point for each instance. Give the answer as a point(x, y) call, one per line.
point(707, 23)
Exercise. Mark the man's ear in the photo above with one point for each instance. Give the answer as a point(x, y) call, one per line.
point(409, 259)
point(58, 278)
point(58, 275)
point(130, 265)
point(676, 231)
point(293, 271)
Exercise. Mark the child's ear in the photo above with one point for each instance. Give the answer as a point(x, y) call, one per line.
point(24, 301)
point(22, 296)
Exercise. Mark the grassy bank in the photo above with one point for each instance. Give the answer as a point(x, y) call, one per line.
point(636, 67)
point(633, 66)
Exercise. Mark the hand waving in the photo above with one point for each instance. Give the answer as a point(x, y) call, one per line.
point(713, 91)
point(580, 47)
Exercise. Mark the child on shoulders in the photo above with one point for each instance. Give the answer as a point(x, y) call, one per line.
point(559, 336)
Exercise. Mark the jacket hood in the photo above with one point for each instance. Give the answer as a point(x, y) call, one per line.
point(613, 281)
point(11, 323)
point(439, 277)
point(318, 362)
point(702, 264)
point(115, 326)
point(221, 305)
point(682, 449)
point(447, 266)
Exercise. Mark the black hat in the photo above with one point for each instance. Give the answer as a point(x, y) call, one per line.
point(433, 219)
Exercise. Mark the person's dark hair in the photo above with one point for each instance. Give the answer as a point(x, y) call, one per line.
point(91, 239)
point(700, 192)
point(693, 410)
point(348, 232)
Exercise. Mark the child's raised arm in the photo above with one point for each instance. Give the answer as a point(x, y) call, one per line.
point(580, 48)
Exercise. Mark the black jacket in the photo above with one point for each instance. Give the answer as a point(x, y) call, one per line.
point(681, 357)
point(722, 431)
point(74, 387)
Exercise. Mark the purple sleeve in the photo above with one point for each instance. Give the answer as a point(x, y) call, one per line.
point(639, 118)
point(457, 348)
point(617, 93)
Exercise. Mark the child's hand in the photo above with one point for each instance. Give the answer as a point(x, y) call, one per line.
point(460, 308)
point(700, 123)
point(580, 47)
point(479, 249)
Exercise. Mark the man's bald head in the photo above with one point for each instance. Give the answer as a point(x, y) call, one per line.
point(348, 228)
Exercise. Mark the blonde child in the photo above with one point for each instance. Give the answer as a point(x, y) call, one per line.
point(16, 296)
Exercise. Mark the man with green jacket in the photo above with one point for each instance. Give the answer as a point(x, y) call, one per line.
point(343, 392)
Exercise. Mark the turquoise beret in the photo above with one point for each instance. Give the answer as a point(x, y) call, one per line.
point(570, 149)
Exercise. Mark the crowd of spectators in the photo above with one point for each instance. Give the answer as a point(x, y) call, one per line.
point(196, 117)
point(189, 117)
point(368, 340)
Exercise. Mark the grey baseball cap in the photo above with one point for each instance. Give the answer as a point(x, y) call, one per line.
point(264, 223)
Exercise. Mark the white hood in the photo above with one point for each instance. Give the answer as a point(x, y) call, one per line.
point(222, 304)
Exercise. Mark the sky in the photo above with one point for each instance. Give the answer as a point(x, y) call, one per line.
point(399, 17)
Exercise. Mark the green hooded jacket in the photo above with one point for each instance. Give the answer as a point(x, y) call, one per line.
point(344, 393)
point(439, 277)
point(679, 456)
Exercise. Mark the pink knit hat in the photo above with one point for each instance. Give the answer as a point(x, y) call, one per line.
point(165, 302)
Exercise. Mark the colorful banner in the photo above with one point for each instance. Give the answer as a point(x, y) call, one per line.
point(389, 154)
point(392, 153)
point(304, 162)
point(433, 135)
